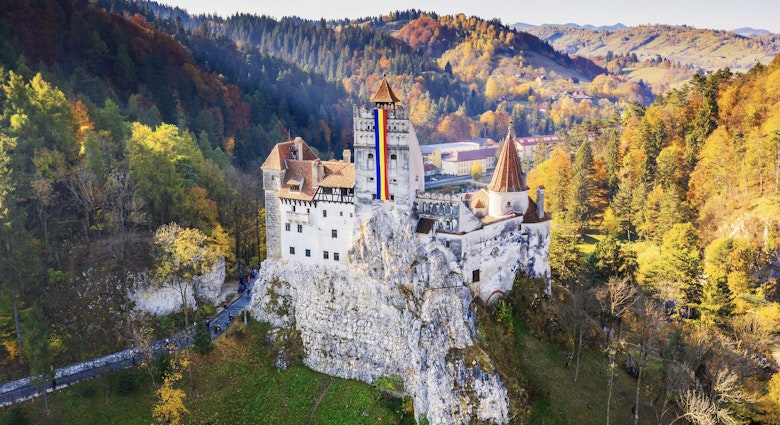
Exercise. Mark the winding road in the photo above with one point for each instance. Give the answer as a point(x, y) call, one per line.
point(23, 389)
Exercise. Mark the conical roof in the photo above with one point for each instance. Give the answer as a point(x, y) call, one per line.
point(508, 176)
point(385, 94)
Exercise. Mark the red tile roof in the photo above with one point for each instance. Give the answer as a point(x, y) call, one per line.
point(385, 94)
point(508, 176)
point(283, 151)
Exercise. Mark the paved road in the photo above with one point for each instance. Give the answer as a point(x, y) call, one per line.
point(22, 389)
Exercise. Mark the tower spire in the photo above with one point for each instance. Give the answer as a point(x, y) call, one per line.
point(508, 176)
point(385, 97)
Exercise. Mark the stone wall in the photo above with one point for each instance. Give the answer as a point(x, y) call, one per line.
point(398, 309)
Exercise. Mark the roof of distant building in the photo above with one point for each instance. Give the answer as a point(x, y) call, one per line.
point(508, 176)
point(471, 155)
point(484, 141)
point(449, 147)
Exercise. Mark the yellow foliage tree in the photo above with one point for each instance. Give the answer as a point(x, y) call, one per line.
point(170, 408)
point(770, 403)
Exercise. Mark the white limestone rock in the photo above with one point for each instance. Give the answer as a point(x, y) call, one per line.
point(166, 299)
point(397, 308)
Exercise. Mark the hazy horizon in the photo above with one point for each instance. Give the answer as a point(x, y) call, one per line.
point(714, 14)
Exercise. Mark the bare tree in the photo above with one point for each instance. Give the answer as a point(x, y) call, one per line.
point(615, 297)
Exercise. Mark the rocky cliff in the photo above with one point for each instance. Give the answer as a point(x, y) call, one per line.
point(396, 309)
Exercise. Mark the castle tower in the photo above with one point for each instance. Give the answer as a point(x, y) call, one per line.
point(507, 191)
point(388, 160)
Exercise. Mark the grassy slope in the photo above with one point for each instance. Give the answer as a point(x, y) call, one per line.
point(236, 383)
point(555, 399)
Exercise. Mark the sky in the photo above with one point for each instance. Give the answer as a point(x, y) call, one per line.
point(713, 14)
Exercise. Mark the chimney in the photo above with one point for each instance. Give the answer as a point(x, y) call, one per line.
point(540, 201)
point(298, 148)
point(315, 173)
point(347, 155)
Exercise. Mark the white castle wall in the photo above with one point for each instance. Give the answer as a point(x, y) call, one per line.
point(399, 309)
point(317, 225)
point(498, 251)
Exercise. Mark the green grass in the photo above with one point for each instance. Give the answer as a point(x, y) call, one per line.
point(588, 244)
point(237, 383)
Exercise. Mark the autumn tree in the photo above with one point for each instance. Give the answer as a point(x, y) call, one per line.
point(180, 255)
point(476, 171)
point(170, 408)
point(770, 402)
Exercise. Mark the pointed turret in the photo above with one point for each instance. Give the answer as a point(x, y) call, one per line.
point(508, 176)
point(384, 97)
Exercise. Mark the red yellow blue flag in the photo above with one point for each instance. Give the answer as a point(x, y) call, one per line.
point(380, 133)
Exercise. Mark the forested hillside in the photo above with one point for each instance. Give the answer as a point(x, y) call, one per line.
point(683, 201)
point(109, 130)
point(460, 76)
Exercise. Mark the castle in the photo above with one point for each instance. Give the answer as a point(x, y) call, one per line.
point(314, 207)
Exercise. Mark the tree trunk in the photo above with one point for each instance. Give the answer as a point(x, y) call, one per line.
point(185, 307)
point(579, 349)
point(611, 381)
point(18, 331)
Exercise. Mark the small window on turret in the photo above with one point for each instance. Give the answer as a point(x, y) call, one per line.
point(475, 275)
point(393, 156)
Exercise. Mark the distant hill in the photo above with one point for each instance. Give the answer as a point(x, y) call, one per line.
point(521, 26)
point(747, 31)
point(662, 56)
point(702, 48)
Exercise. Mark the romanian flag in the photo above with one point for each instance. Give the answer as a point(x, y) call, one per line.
point(380, 134)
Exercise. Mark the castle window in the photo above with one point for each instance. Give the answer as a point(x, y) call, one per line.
point(325, 254)
point(475, 275)
point(392, 197)
point(393, 181)
point(370, 161)
point(292, 250)
point(324, 213)
point(335, 256)
point(308, 253)
point(308, 210)
point(446, 244)
point(287, 226)
point(341, 213)
point(300, 228)
point(508, 203)
point(350, 215)
point(334, 233)
point(293, 208)
point(393, 156)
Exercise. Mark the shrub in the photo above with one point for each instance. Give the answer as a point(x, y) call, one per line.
point(125, 382)
point(202, 338)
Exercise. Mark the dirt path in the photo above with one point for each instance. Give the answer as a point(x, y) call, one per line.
point(319, 400)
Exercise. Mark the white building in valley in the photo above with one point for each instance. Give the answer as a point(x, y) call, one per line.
point(314, 208)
